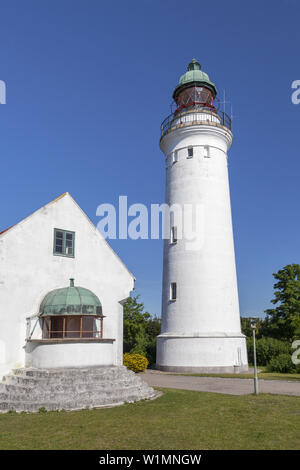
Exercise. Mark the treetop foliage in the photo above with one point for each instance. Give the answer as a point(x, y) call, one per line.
point(283, 321)
point(140, 329)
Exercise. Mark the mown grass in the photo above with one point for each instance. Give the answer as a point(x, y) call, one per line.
point(179, 419)
point(262, 375)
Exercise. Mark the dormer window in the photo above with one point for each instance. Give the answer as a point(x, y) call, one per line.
point(64, 243)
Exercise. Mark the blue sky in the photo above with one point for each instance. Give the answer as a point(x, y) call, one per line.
point(88, 84)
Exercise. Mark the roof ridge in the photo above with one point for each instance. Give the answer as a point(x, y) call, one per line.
point(86, 216)
point(45, 205)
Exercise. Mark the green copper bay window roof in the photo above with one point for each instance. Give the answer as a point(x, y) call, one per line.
point(72, 300)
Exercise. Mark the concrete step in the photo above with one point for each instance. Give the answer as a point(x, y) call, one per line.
point(74, 404)
point(63, 395)
point(34, 407)
point(67, 388)
point(54, 389)
point(79, 381)
point(104, 372)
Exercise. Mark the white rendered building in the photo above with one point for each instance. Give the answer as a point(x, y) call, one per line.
point(200, 311)
point(61, 292)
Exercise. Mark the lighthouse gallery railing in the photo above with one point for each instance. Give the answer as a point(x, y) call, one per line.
point(192, 117)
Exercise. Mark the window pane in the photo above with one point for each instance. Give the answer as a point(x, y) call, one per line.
point(58, 241)
point(56, 327)
point(45, 328)
point(64, 242)
point(69, 250)
point(72, 327)
point(69, 244)
point(88, 327)
point(173, 291)
point(174, 235)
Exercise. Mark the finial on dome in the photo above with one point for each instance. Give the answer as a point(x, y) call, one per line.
point(71, 282)
point(194, 65)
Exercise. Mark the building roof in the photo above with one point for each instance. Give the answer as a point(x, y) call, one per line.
point(6, 230)
point(51, 202)
point(3, 232)
point(71, 300)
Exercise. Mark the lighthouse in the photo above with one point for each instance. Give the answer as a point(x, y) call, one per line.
point(201, 329)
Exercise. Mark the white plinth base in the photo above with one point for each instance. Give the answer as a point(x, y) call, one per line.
point(203, 353)
point(47, 354)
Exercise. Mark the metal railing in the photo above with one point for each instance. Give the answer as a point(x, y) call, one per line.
point(186, 117)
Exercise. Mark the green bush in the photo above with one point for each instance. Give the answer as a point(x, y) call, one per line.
point(135, 362)
point(281, 363)
point(267, 349)
point(42, 410)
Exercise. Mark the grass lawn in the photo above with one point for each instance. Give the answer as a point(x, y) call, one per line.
point(262, 375)
point(179, 419)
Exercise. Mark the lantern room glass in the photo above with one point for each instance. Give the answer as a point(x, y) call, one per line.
point(195, 96)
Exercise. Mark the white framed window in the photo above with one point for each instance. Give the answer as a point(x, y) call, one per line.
point(173, 291)
point(173, 238)
point(190, 153)
point(206, 152)
point(175, 156)
point(64, 243)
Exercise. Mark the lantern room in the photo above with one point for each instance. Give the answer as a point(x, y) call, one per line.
point(194, 89)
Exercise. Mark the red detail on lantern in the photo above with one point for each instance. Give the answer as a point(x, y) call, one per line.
point(194, 96)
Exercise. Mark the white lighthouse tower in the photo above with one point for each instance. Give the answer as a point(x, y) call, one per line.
point(201, 329)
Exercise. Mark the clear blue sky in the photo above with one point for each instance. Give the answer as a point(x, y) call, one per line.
point(88, 84)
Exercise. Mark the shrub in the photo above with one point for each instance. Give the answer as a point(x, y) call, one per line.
point(42, 410)
point(151, 351)
point(282, 363)
point(135, 362)
point(267, 349)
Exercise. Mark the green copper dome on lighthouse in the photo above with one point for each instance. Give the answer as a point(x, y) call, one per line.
point(72, 300)
point(194, 75)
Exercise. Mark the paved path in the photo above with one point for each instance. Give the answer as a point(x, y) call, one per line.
point(219, 385)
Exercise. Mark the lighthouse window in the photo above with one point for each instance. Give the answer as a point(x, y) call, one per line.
point(174, 157)
point(173, 291)
point(64, 242)
point(190, 152)
point(174, 234)
point(205, 152)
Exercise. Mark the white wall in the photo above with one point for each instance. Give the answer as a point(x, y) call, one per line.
point(46, 355)
point(207, 295)
point(29, 270)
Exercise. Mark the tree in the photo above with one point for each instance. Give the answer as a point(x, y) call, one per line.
point(283, 322)
point(140, 329)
